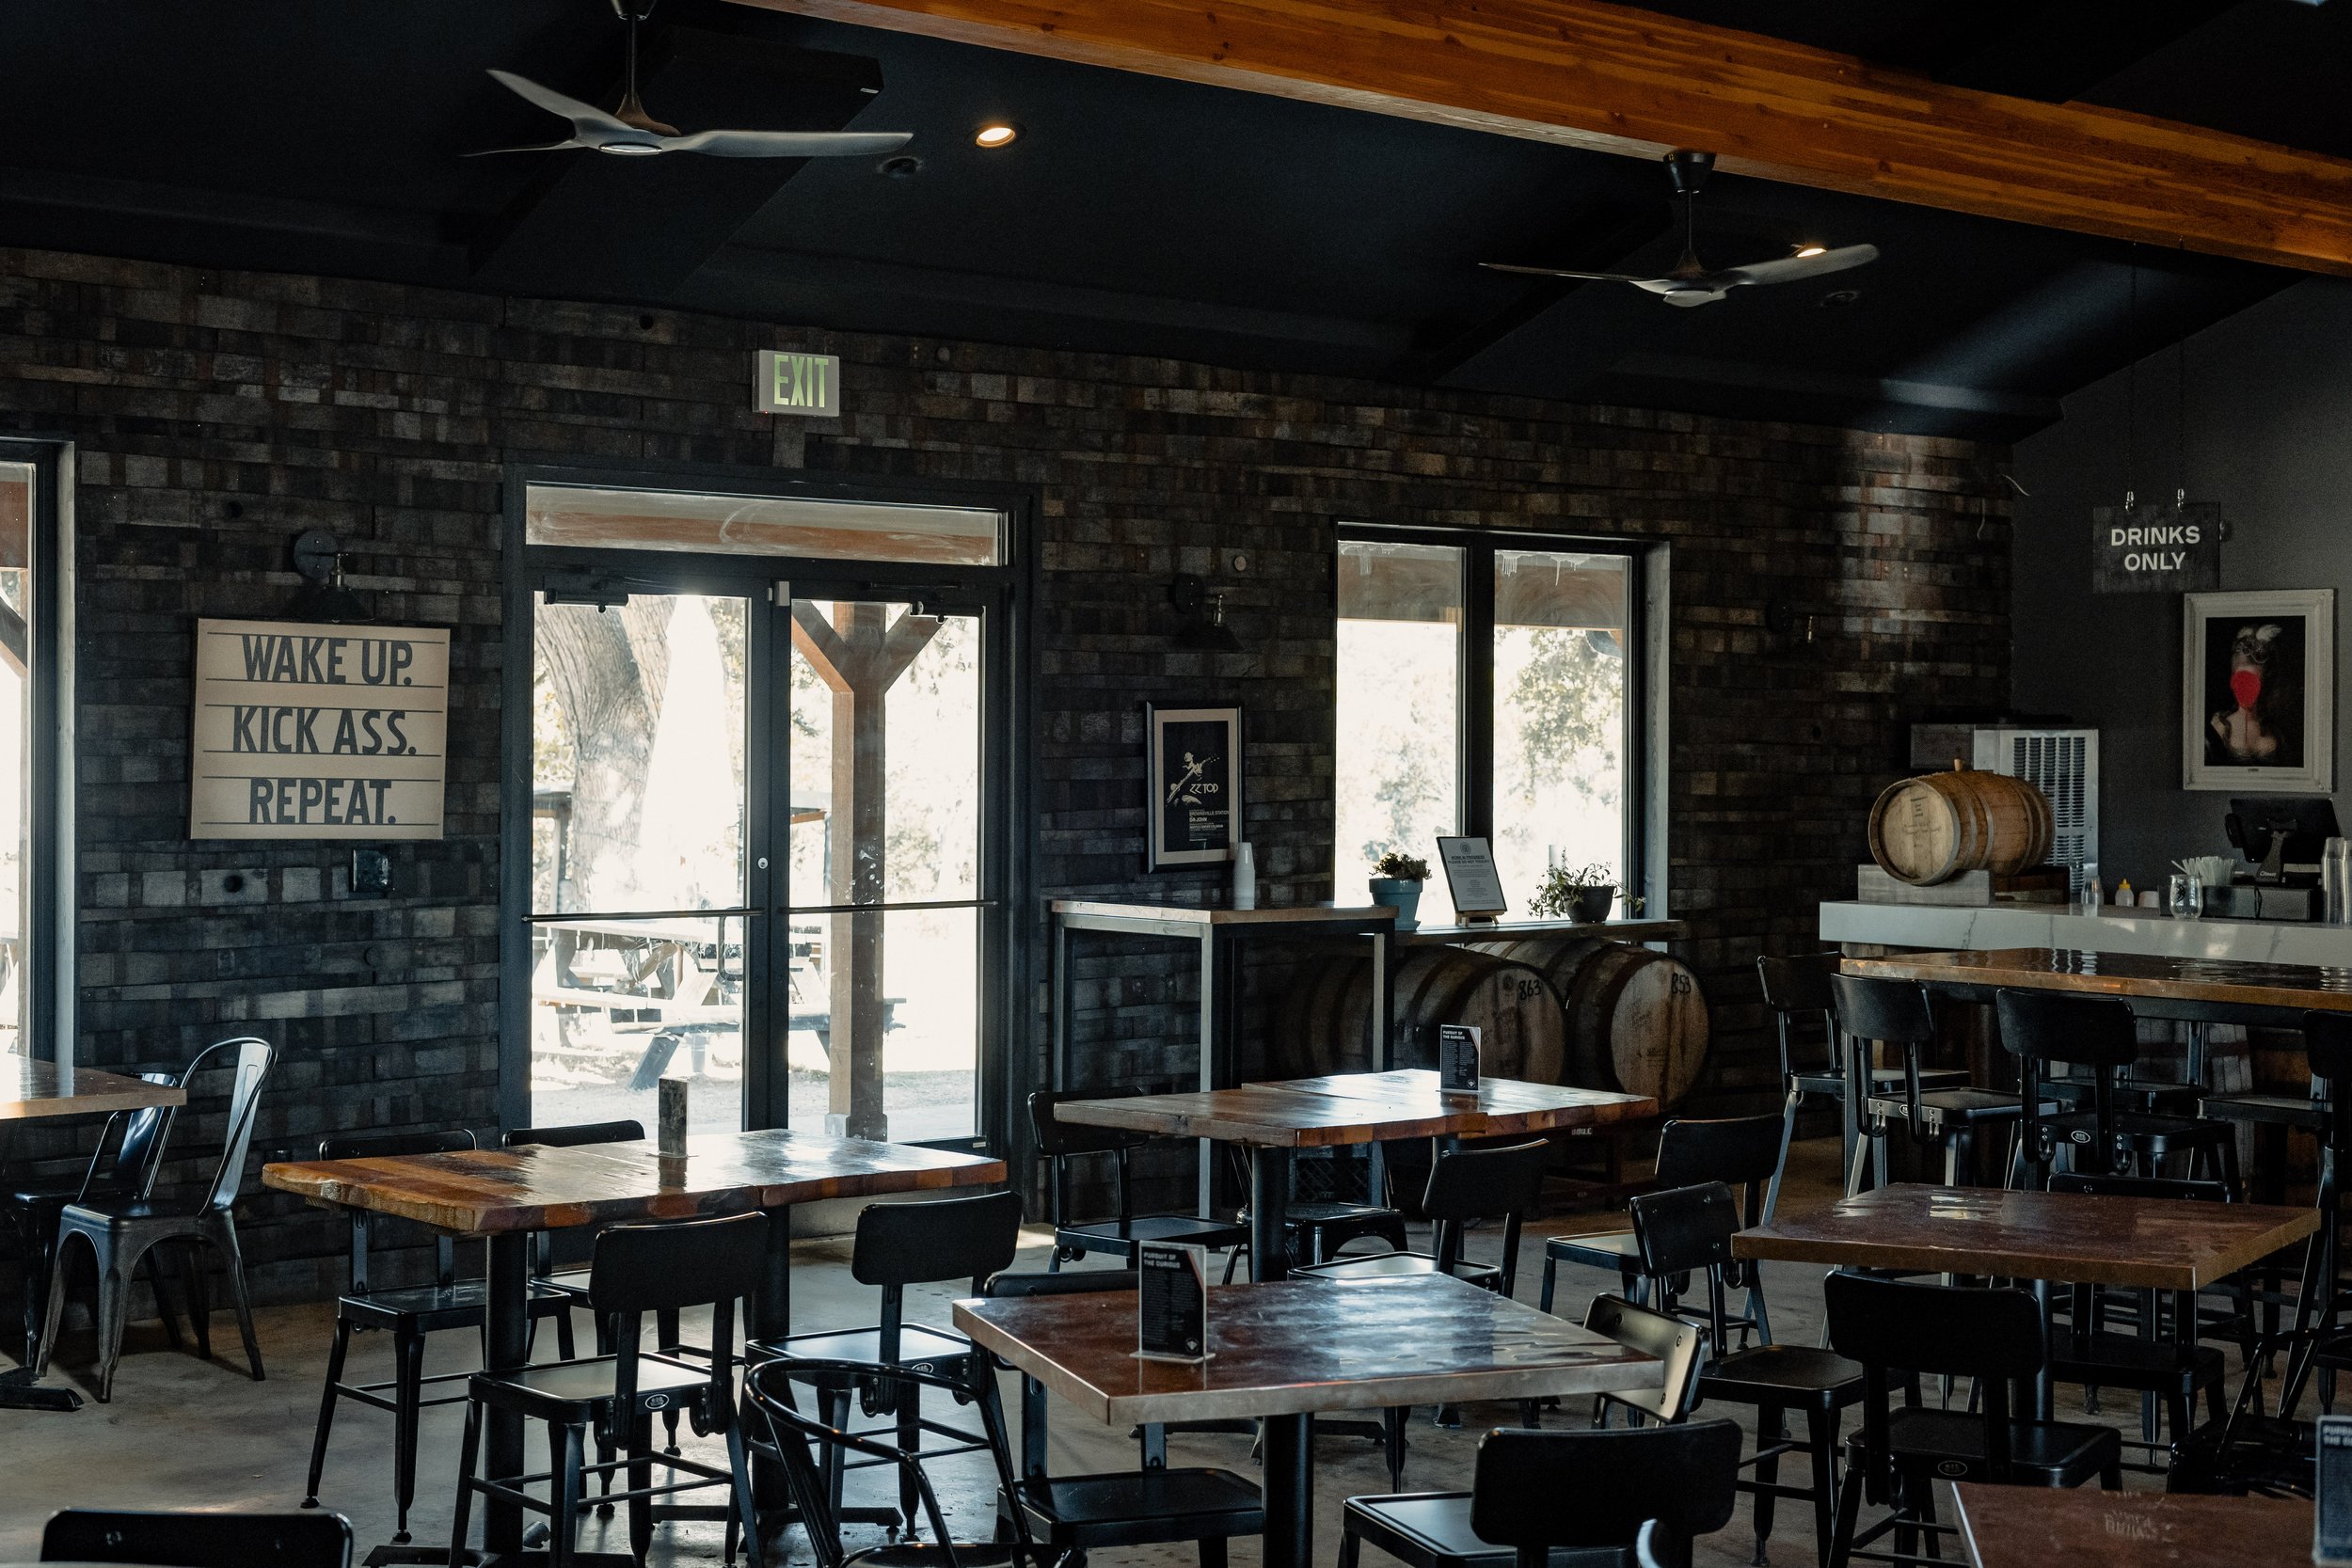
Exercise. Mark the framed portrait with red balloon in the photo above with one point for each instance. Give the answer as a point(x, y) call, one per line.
point(2258, 679)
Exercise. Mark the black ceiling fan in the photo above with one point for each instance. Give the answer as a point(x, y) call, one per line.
point(631, 131)
point(1689, 283)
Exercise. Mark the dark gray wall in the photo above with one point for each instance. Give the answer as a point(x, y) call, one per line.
point(2268, 436)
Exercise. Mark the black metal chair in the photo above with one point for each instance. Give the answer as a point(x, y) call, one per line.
point(899, 1245)
point(199, 1538)
point(121, 1230)
point(1560, 1500)
point(2320, 1339)
point(1899, 1456)
point(1743, 1152)
point(571, 1283)
point(1149, 1506)
point(1896, 1013)
point(1796, 988)
point(1466, 1187)
point(1688, 1231)
point(2167, 1370)
point(2048, 1029)
point(122, 1165)
point(636, 1269)
point(2274, 1118)
point(1058, 1143)
point(409, 1314)
point(814, 1452)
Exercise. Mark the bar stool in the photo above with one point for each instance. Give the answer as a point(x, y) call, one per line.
point(2047, 1029)
point(1797, 990)
point(1895, 1012)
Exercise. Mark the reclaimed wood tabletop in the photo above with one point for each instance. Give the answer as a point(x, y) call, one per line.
point(2025, 1527)
point(2076, 1238)
point(1305, 1346)
point(1357, 1108)
point(30, 1089)
point(2225, 981)
point(541, 1187)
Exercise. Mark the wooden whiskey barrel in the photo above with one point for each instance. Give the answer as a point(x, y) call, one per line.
point(1324, 1023)
point(1637, 1018)
point(1932, 828)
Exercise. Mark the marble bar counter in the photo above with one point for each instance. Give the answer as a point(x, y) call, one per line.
point(2280, 942)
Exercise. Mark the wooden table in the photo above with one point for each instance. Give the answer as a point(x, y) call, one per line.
point(30, 1089)
point(1285, 1352)
point(503, 1195)
point(2026, 1527)
point(2152, 1244)
point(1275, 1120)
point(1218, 935)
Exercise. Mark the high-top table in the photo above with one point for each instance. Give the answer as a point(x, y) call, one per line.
point(32, 1090)
point(2076, 1238)
point(503, 1195)
point(2027, 1526)
point(1285, 1352)
point(1275, 1120)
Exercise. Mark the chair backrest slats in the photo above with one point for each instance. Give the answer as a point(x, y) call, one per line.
point(939, 1238)
point(1541, 1490)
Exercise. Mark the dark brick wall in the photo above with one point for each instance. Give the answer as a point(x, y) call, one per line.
point(216, 415)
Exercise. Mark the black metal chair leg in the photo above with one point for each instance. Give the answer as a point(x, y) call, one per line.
point(1820, 1431)
point(1771, 1432)
point(407, 1393)
point(468, 1451)
point(640, 1477)
point(326, 1412)
point(232, 1259)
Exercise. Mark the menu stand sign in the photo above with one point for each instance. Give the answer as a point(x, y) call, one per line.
point(1457, 1058)
point(2332, 1498)
point(1472, 878)
point(1172, 1302)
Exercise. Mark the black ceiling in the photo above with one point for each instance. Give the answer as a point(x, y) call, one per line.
point(1134, 214)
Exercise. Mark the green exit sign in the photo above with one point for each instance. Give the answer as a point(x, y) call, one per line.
point(809, 385)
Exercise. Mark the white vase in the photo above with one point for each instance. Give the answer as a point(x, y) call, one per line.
point(1245, 878)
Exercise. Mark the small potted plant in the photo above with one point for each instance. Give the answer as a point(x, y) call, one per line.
point(1582, 893)
point(1396, 880)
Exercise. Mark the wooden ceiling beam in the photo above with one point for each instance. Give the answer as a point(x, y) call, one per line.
point(1610, 78)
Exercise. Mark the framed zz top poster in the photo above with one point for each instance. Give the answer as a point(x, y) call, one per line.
point(1194, 774)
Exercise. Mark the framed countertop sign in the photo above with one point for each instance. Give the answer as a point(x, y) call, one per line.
point(1470, 876)
point(310, 731)
point(2258, 679)
point(1195, 778)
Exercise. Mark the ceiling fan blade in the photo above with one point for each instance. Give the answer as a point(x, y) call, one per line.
point(788, 144)
point(1561, 271)
point(1686, 298)
point(1789, 269)
point(541, 147)
point(587, 116)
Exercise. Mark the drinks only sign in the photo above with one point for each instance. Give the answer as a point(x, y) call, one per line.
point(306, 731)
point(2172, 548)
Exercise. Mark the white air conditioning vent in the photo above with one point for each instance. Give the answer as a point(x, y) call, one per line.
point(2064, 765)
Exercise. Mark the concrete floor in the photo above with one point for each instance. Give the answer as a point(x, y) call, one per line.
point(183, 1432)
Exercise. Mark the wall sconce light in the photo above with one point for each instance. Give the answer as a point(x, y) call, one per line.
point(1201, 622)
point(318, 556)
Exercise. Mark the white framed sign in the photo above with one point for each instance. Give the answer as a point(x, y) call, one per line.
point(2258, 691)
point(310, 731)
point(1470, 876)
point(788, 382)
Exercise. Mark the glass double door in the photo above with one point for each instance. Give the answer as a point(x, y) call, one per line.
point(758, 859)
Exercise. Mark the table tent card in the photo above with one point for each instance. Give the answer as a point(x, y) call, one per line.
point(2332, 1498)
point(1457, 1058)
point(1172, 1302)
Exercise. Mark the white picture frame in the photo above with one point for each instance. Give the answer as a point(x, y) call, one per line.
point(2285, 639)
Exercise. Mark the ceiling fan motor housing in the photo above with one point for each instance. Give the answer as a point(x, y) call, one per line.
point(1689, 169)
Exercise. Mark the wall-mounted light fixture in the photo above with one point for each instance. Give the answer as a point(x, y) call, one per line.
point(1200, 616)
point(318, 557)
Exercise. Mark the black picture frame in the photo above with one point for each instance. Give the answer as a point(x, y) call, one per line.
point(1193, 779)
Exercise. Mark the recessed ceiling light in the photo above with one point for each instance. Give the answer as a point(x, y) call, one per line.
point(997, 134)
point(1812, 250)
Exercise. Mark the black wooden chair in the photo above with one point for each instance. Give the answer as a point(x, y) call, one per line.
point(1896, 1013)
point(1466, 1186)
point(1560, 1500)
point(2098, 1036)
point(1687, 1232)
point(1900, 1456)
point(1743, 1152)
point(1151, 1505)
point(122, 1165)
point(1433, 1529)
point(407, 1314)
point(2320, 1338)
point(1796, 988)
point(636, 1269)
point(899, 1245)
point(2167, 1368)
point(120, 1230)
point(199, 1538)
point(1058, 1143)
